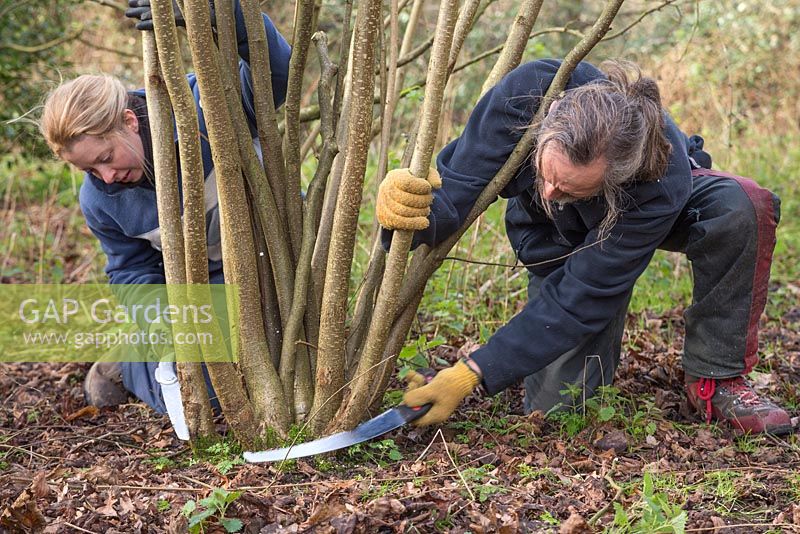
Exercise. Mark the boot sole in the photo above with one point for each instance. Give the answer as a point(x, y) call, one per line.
point(779, 426)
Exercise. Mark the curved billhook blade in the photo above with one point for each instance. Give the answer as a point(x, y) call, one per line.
point(377, 426)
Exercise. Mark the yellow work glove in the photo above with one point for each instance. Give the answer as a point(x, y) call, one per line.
point(404, 200)
point(446, 391)
point(417, 379)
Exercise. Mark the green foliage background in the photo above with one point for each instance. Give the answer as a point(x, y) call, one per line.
point(30, 54)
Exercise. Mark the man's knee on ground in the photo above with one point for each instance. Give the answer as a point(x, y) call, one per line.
point(737, 215)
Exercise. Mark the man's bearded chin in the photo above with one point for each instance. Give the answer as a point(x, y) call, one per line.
point(560, 203)
point(564, 200)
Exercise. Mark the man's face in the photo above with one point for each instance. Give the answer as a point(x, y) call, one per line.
point(114, 159)
point(559, 180)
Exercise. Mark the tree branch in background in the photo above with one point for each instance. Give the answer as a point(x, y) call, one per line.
point(11, 6)
point(313, 203)
point(96, 46)
point(33, 49)
point(341, 106)
point(264, 101)
point(110, 3)
point(377, 263)
point(411, 55)
point(303, 20)
point(466, 19)
point(639, 19)
point(254, 174)
point(515, 43)
point(366, 294)
point(266, 393)
point(268, 194)
point(499, 48)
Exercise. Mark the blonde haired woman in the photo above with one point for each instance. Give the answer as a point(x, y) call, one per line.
point(94, 123)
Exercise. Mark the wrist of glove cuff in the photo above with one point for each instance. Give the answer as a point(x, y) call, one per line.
point(464, 379)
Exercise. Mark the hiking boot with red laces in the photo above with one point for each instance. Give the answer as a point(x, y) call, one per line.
point(735, 401)
point(103, 385)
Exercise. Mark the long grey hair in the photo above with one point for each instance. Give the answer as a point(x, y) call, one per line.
point(619, 119)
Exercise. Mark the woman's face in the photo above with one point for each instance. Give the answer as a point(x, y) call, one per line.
point(117, 158)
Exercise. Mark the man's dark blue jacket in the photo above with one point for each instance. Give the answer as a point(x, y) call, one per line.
point(581, 293)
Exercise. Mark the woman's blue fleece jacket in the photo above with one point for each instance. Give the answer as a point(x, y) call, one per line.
point(125, 218)
point(580, 293)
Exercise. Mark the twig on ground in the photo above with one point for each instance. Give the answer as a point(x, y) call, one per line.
point(26, 451)
point(195, 481)
point(452, 461)
point(602, 511)
point(79, 529)
point(149, 488)
point(90, 441)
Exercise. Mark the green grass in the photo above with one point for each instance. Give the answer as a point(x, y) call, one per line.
point(28, 182)
point(43, 233)
point(726, 488)
point(637, 417)
point(657, 510)
point(482, 482)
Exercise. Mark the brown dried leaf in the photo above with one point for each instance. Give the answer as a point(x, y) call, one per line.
point(479, 522)
point(126, 504)
point(575, 524)
point(719, 524)
point(616, 439)
point(101, 474)
point(583, 466)
point(323, 512)
point(344, 524)
point(177, 525)
point(39, 485)
point(386, 506)
point(108, 509)
point(705, 440)
point(86, 411)
point(160, 444)
point(23, 515)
